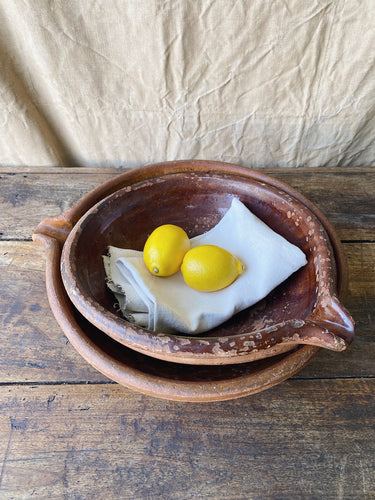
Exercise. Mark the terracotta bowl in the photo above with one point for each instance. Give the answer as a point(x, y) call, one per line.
point(303, 310)
point(154, 377)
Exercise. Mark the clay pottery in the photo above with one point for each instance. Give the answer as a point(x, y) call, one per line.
point(304, 310)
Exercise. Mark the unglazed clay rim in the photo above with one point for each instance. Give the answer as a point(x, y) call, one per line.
point(138, 338)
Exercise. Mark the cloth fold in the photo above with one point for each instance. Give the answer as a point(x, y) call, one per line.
point(168, 305)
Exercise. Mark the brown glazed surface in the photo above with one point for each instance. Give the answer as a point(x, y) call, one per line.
point(206, 186)
point(303, 310)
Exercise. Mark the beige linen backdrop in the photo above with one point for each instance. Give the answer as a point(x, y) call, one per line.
point(129, 82)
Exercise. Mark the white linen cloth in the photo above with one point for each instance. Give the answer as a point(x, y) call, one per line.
point(168, 305)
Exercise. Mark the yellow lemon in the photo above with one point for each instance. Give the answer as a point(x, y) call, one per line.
point(208, 268)
point(164, 249)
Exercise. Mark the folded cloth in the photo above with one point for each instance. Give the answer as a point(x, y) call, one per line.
point(167, 304)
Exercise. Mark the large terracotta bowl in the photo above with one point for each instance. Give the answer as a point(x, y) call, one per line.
point(195, 194)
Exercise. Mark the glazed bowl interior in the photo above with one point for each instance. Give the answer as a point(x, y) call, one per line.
point(127, 218)
point(195, 201)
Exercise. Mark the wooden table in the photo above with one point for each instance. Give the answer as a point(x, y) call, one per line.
point(68, 432)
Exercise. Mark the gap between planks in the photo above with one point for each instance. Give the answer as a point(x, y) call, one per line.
point(111, 382)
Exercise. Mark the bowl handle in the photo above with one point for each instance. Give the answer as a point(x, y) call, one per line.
point(333, 316)
point(330, 327)
point(57, 228)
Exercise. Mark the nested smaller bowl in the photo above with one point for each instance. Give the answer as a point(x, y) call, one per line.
point(305, 309)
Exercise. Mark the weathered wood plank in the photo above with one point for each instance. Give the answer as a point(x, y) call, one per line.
point(27, 199)
point(302, 439)
point(345, 197)
point(24, 169)
point(33, 348)
point(58, 170)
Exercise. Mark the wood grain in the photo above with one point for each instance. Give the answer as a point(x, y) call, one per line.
point(345, 197)
point(26, 199)
point(68, 432)
point(33, 347)
point(300, 439)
